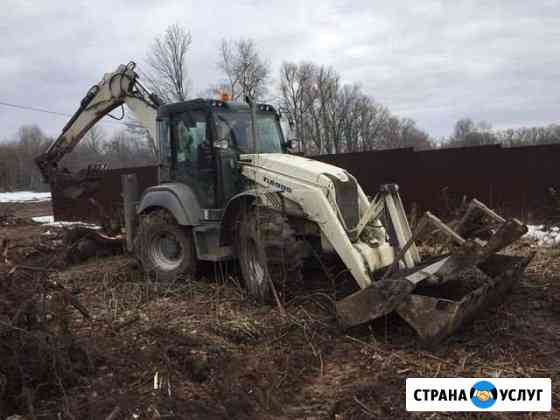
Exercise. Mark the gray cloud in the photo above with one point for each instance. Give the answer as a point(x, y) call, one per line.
point(432, 61)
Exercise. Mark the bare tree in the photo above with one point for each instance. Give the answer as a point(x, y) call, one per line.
point(89, 151)
point(347, 118)
point(20, 153)
point(412, 136)
point(94, 139)
point(137, 130)
point(8, 165)
point(296, 86)
point(462, 128)
point(333, 118)
point(328, 82)
point(166, 73)
point(468, 133)
point(376, 118)
point(245, 71)
point(481, 133)
point(127, 149)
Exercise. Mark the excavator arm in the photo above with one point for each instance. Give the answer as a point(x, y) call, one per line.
point(115, 89)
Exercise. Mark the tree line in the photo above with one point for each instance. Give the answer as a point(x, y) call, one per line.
point(326, 115)
point(124, 148)
point(468, 133)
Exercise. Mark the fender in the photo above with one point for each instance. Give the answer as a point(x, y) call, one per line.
point(232, 207)
point(179, 199)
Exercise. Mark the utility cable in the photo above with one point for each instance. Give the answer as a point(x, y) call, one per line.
point(62, 114)
point(29, 108)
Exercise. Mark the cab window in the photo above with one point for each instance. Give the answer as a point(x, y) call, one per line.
point(189, 142)
point(193, 155)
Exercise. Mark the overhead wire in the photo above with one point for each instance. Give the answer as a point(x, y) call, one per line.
point(62, 114)
point(30, 108)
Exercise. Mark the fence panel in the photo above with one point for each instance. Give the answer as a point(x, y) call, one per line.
point(515, 181)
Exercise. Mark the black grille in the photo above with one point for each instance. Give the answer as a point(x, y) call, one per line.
point(347, 200)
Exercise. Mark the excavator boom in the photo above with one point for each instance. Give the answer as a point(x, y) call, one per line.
point(114, 90)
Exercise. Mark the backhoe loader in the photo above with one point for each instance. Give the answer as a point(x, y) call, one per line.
point(229, 188)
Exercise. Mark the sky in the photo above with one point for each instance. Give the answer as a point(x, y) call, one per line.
point(432, 61)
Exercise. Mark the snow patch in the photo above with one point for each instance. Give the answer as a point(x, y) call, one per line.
point(24, 197)
point(543, 237)
point(49, 221)
point(43, 219)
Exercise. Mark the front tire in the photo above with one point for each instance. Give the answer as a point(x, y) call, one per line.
point(266, 244)
point(165, 248)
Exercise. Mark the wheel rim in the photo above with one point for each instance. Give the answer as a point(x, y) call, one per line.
point(254, 265)
point(166, 250)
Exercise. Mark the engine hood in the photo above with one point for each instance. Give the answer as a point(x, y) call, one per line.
point(291, 173)
point(297, 167)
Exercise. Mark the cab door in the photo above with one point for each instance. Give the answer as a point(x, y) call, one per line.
point(229, 177)
point(229, 180)
point(192, 155)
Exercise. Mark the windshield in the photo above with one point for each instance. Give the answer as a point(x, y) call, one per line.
point(234, 127)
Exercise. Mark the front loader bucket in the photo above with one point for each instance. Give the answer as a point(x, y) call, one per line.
point(436, 317)
point(438, 297)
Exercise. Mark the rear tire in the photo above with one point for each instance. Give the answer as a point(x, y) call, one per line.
point(265, 239)
point(163, 247)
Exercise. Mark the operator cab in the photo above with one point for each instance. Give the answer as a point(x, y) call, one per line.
point(200, 142)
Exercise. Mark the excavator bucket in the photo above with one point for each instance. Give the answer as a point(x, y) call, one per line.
point(436, 297)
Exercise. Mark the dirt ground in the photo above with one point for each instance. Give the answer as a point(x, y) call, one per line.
point(27, 210)
point(215, 354)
